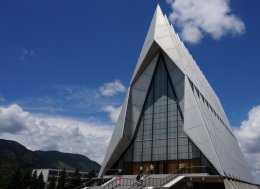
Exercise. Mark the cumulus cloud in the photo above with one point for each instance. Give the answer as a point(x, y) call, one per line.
point(27, 53)
point(13, 119)
point(44, 132)
point(112, 88)
point(113, 112)
point(248, 135)
point(198, 17)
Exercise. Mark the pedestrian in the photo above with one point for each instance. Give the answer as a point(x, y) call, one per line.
point(142, 180)
point(181, 168)
point(118, 180)
point(151, 168)
point(141, 170)
point(147, 170)
point(137, 177)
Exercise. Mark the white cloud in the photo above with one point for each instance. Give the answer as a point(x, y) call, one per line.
point(248, 135)
point(44, 132)
point(198, 17)
point(13, 119)
point(112, 88)
point(27, 53)
point(113, 112)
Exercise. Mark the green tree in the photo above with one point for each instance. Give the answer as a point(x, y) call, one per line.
point(91, 174)
point(76, 180)
point(15, 181)
point(62, 179)
point(40, 183)
point(52, 183)
point(34, 181)
point(69, 185)
point(26, 179)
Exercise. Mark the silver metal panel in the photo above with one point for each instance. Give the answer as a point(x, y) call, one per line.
point(165, 42)
point(116, 137)
point(156, 21)
point(161, 31)
point(177, 79)
point(194, 126)
point(136, 111)
point(236, 184)
point(139, 91)
point(228, 185)
point(173, 55)
point(138, 94)
point(177, 76)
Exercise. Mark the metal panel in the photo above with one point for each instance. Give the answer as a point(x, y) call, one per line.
point(161, 31)
point(177, 79)
point(165, 42)
point(194, 126)
point(117, 137)
point(156, 21)
point(228, 185)
point(139, 91)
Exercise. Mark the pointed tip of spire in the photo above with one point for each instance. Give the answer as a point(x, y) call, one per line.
point(158, 9)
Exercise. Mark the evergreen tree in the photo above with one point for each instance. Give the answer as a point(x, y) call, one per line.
point(52, 183)
point(62, 179)
point(91, 174)
point(34, 181)
point(69, 185)
point(76, 180)
point(40, 183)
point(26, 179)
point(15, 181)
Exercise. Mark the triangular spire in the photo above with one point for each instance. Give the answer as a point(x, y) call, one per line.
point(158, 20)
point(158, 10)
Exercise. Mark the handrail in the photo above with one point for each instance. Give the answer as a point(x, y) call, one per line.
point(147, 180)
point(115, 183)
point(84, 184)
point(163, 181)
point(106, 186)
point(147, 173)
point(173, 175)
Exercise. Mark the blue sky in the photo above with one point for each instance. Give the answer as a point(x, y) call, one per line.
point(58, 58)
point(86, 44)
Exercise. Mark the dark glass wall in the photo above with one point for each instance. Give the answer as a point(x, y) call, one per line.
point(159, 137)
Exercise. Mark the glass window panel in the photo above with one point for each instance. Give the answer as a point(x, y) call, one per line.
point(183, 155)
point(172, 156)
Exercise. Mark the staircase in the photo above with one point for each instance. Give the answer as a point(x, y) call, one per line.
point(154, 181)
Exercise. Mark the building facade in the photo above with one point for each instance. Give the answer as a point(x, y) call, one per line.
point(172, 116)
point(49, 174)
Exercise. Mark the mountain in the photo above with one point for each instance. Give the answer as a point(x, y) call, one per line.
point(11, 151)
point(14, 152)
point(15, 156)
point(55, 159)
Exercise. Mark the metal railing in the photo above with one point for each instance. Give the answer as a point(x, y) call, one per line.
point(121, 182)
point(102, 187)
point(139, 182)
point(113, 182)
point(162, 181)
point(148, 181)
point(85, 184)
